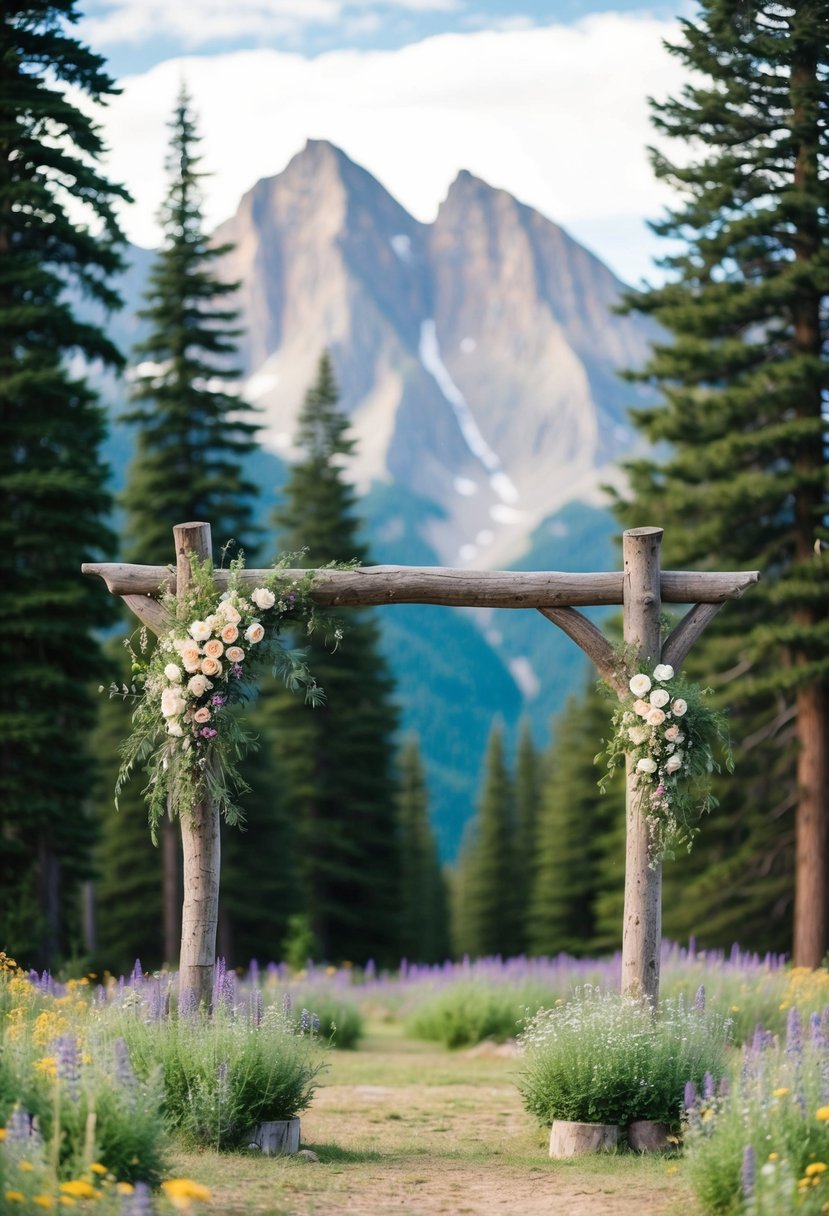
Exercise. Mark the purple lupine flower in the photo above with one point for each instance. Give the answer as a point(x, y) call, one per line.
point(816, 1030)
point(124, 1074)
point(139, 1203)
point(255, 1007)
point(137, 974)
point(159, 999)
point(794, 1032)
point(69, 1065)
point(100, 995)
point(689, 1099)
point(188, 1006)
point(287, 1005)
point(748, 1171)
point(304, 1022)
point(709, 1087)
point(253, 972)
point(699, 1000)
point(19, 1126)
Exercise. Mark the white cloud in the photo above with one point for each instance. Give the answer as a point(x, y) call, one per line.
point(196, 23)
point(556, 115)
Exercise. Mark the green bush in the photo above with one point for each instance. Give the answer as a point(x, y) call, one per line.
point(340, 1022)
point(224, 1074)
point(467, 1013)
point(602, 1058)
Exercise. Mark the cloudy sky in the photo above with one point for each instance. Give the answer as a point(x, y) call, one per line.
point(546, 98)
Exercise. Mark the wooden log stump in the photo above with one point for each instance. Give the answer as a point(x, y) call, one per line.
point(279, 1137)
point(568, 1139)
point(648, 1136)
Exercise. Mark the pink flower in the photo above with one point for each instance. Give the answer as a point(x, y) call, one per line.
point(655, 717)
point(214, 649)
point(211, 667)
point(679, 707)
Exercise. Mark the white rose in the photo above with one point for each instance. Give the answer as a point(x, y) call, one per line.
point(640, 684)
point(254, 633)
point(214, 622)
point(172, 702)
point(229, 613)
point(638, 734)
point(263, 599)
point(646, 765)
point(656, 717)
point(679, 707)
point(674, 763)
point(234, 654)
point(659, 698)
point(174, 728)
point(173, 673)
point(200, 630)
point(198, 685)
point(672, 734)
point(663, 671)
point(641, 708)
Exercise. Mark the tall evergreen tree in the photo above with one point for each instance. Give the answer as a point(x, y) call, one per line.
point(58, 235)
point(492, 895)
point(424, 910)
point(527, 804)
point(192, 441)
point(744, 377)
point(335, 762)
point(575, 829)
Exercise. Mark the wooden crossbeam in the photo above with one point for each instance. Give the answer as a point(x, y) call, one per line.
point(367, 585)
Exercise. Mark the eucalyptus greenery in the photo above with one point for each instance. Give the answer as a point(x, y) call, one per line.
point(185, 730)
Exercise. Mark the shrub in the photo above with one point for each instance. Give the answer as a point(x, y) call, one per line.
point(469, 1012)
point(763, 1148)
point(338, 1020)
point(225, 1073)
point(602, 1058)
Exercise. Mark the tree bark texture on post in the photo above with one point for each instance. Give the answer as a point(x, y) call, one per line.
point(642, 924)
point(199, 831)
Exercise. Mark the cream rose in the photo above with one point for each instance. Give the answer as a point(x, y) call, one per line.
point(679, 707)
point(638, 734)
point(663, 672)
point(211, 667)
point(173, 673)
point(214, 649)
point(172, 702)
point(200, 630)
point(641, 708)
point(191, 657)
point(672, 734)
point(263, 599)
point(655, 718)
point(658, 697)
point(234, 654)
point(646, 765)
point(640, 684)
point(202, 715)
point(213, 621)
point(199, 685)
point(229, 613)
point(229, 634)
point(254, 633)
point(674, 764)
point(174, 728)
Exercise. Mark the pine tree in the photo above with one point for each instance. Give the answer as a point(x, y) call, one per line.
point(744, 375)
point(492, 909)
point(527, 802)
point(192, 441)
point(59, 240)
point(335, 762)
point(573, 829)
point(424, 911)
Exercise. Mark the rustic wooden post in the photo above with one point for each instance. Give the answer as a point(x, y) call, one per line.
point(642, 924)
point(199, 831)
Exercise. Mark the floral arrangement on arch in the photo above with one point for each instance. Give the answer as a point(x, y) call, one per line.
point(674, 739)
point(184, 728)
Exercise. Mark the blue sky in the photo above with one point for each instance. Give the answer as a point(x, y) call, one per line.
point(546, 98)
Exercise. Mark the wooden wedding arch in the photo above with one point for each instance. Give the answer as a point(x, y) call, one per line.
point(641, 587)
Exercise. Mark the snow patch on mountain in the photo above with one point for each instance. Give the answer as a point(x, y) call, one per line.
point(430, 357)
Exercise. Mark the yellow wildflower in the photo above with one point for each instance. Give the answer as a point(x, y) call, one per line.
point(822, 1113)
point(48, 1026)
point(817, 1167)
point(78, 1187)
point(25, 1166)
point(181, 1192)
point(774, 1156)
point(44, 1201)
point(97, 1168)
point(124, 1188)
point(780, 1092)
point(48, 1065)
point(672, 1169)
point(67, 1201)
point(14, 1196)
point(2, 1134)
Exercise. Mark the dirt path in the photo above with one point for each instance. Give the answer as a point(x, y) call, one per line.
point(403, 1128)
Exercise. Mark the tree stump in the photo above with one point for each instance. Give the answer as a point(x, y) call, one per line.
point(568, 1139)
point(648, 1136)
point(278, 1137)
